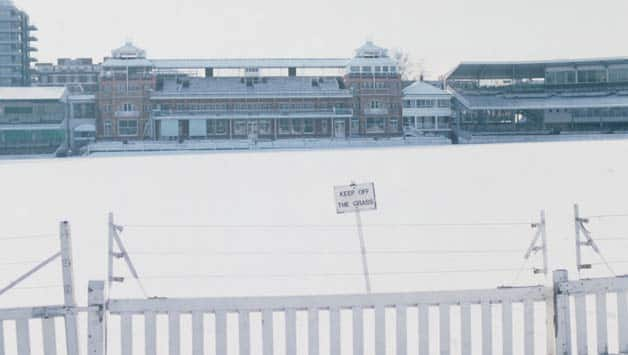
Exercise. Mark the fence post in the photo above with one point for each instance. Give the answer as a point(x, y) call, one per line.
point(96, 318)
point(67, 266)
point(562, 326)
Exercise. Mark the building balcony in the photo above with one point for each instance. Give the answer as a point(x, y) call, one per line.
point(33, 39)
point(127, 114)
point(375, 111)
point(254, 114)
point(33, 28)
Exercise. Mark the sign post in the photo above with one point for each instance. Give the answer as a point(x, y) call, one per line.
point(356, 198)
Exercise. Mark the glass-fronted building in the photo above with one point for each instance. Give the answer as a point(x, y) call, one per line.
point(15, 45)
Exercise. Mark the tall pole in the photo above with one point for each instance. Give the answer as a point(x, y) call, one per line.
point(69, 299)
point(544, 241)
point(365, 267)
point(110, 252)
point(578, 244)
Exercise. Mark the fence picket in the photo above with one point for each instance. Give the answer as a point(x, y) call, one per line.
point(291, 332)
point(1, 337)
point(313, 332)
point(465, 329)
point(528, 327)
point(150, 333)
point(23, 337)
point(49, 336)
point(445, 327)
point(358, 331)
point(334, 331)
point(197, 333)
point(380, 330)
point(267, 332)
point(424, 326)
point(622, 322)
point(600, 320)
point(402, 341)
point(221, 333)
point(244, 332)
point(487, 329)
point(506, 328)
point(126, 334)
point(174, 333)
point(581, 323)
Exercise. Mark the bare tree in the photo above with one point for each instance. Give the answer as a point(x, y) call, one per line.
point(408, 68)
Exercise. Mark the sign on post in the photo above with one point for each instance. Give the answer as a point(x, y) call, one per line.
point(355, 197)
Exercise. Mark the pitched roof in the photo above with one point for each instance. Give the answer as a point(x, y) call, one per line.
point(423, 88)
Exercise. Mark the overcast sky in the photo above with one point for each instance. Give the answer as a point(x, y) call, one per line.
point(440, 33)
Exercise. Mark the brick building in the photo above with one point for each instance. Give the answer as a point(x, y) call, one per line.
point(123, 100)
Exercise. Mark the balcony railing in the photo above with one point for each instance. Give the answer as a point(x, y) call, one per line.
point(256, 112)
point(127, 114)
point(376, 111)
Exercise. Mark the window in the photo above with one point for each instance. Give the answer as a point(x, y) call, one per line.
point(393, 124)
point(444, 103)
point(264, 127)
point(375, 104)
point(284, 126)
point(221, 127)
point(239, 128)
point(385, 69)
point(375, 125)
point(308, 126)
point(355, 126)
point(366, 69)
point(108, 129)
point(378, 69)
point(127, 127)
point(355, 69)
point(9, 110)
point(324, 127)
point(297, 126)
point(407, 103)
point(128, 107)
point(211, 127)
point(424, 103)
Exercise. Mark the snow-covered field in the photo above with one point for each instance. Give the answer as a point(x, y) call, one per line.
point(292, 191)
point(264, 223)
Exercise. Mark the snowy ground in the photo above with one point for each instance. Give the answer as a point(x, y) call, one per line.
point(237, 194)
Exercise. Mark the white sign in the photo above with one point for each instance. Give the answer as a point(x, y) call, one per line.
point(354, 197)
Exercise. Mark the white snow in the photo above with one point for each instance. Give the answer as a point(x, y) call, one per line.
point(443, 184)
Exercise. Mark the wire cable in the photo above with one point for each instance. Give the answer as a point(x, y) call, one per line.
point(313, 275)
point(28, 237)
point(320, 226)
point(600, 216)
point(325, 252)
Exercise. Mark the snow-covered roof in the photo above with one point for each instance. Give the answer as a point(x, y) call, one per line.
point(422, 88)
point(541, 101)
point(370, 50)
point(32, 93)
point(123, 63)
point(239, 63)
point(31, 127)
point(260, 87)
point(128, 51)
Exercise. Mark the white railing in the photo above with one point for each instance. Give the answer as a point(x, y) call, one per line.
point(360, 309)
point(600, 289)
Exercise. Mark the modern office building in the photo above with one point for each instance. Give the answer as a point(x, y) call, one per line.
point(32, 119)
point(79, 75)
point(426, 109)
point(15, 45)
point(541, 96)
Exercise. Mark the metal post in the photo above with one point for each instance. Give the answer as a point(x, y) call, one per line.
point(96, 318)
point(578, 249)
point(365, 267)
point(69, 299)
point(562, 325)
point(544, 241)
point(110, 252)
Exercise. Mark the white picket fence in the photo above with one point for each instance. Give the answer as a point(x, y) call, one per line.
point(473, 309)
